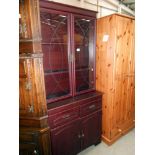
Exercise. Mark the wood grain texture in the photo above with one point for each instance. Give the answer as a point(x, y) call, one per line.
point(31, 86)
point(34, 131)
point(29, 27)
point(34, 140)
point(115, 74)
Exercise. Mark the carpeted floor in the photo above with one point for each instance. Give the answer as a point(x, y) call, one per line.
point(124, 146)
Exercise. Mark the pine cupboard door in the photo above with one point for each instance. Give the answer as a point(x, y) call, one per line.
point(66, 139)
point(91, 129)
point(55, 29)
point(122, 111)
point(84, 53)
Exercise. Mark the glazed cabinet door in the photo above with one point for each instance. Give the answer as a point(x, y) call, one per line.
point(84, 47)
point(56, 47)
point(91, 129)
point(66, 139)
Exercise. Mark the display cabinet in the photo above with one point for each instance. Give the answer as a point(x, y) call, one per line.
point(74, 107)
point(58, 101)
point(68, 42)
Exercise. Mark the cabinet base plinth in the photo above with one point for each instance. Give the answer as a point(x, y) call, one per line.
point(114, 139)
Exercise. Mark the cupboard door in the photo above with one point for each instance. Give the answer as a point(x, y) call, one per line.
point(55, 45)
point(66, 139)
point(91, 129)
point(28, 150)
point(84, 44)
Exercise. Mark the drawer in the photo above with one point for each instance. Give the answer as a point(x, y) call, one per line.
point(90, 107)
point(63, 117)
point(90, 99)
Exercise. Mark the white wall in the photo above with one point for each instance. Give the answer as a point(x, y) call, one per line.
point(103, 7)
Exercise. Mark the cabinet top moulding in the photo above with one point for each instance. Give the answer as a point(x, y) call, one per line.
point(118, 14)
point(30, 40)
point(67, 8)
point(30, 55)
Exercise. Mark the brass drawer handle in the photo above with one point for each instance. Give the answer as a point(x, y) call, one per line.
point(79, 136)
point(31, 108)
point(92, 106)
point(66, 116)
point(82, 135)
point(28, 85)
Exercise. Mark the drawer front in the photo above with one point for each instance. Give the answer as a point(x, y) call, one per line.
point(90, 107)
point(63, 117)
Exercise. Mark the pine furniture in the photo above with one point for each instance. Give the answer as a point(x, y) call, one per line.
point(115, 74)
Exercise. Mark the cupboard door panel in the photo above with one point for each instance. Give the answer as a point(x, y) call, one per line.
point(91, 129)
point(84, 53)
point(66, 140)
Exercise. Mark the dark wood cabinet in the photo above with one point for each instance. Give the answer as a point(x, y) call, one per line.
point(76, 135)
point(74, 107)
point(60, 111)
point(75, 123)
point(68, 44)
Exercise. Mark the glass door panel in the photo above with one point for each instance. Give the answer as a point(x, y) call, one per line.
point(55, 34)
point(84, 53)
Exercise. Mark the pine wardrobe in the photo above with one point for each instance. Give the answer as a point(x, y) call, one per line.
point(115, 74)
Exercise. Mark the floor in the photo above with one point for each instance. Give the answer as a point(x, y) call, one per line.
point(124, 146)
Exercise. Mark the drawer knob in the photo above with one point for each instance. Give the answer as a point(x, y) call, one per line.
point(35, 151)
point(79, 136)
point(92, 106)
point(119, 130)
